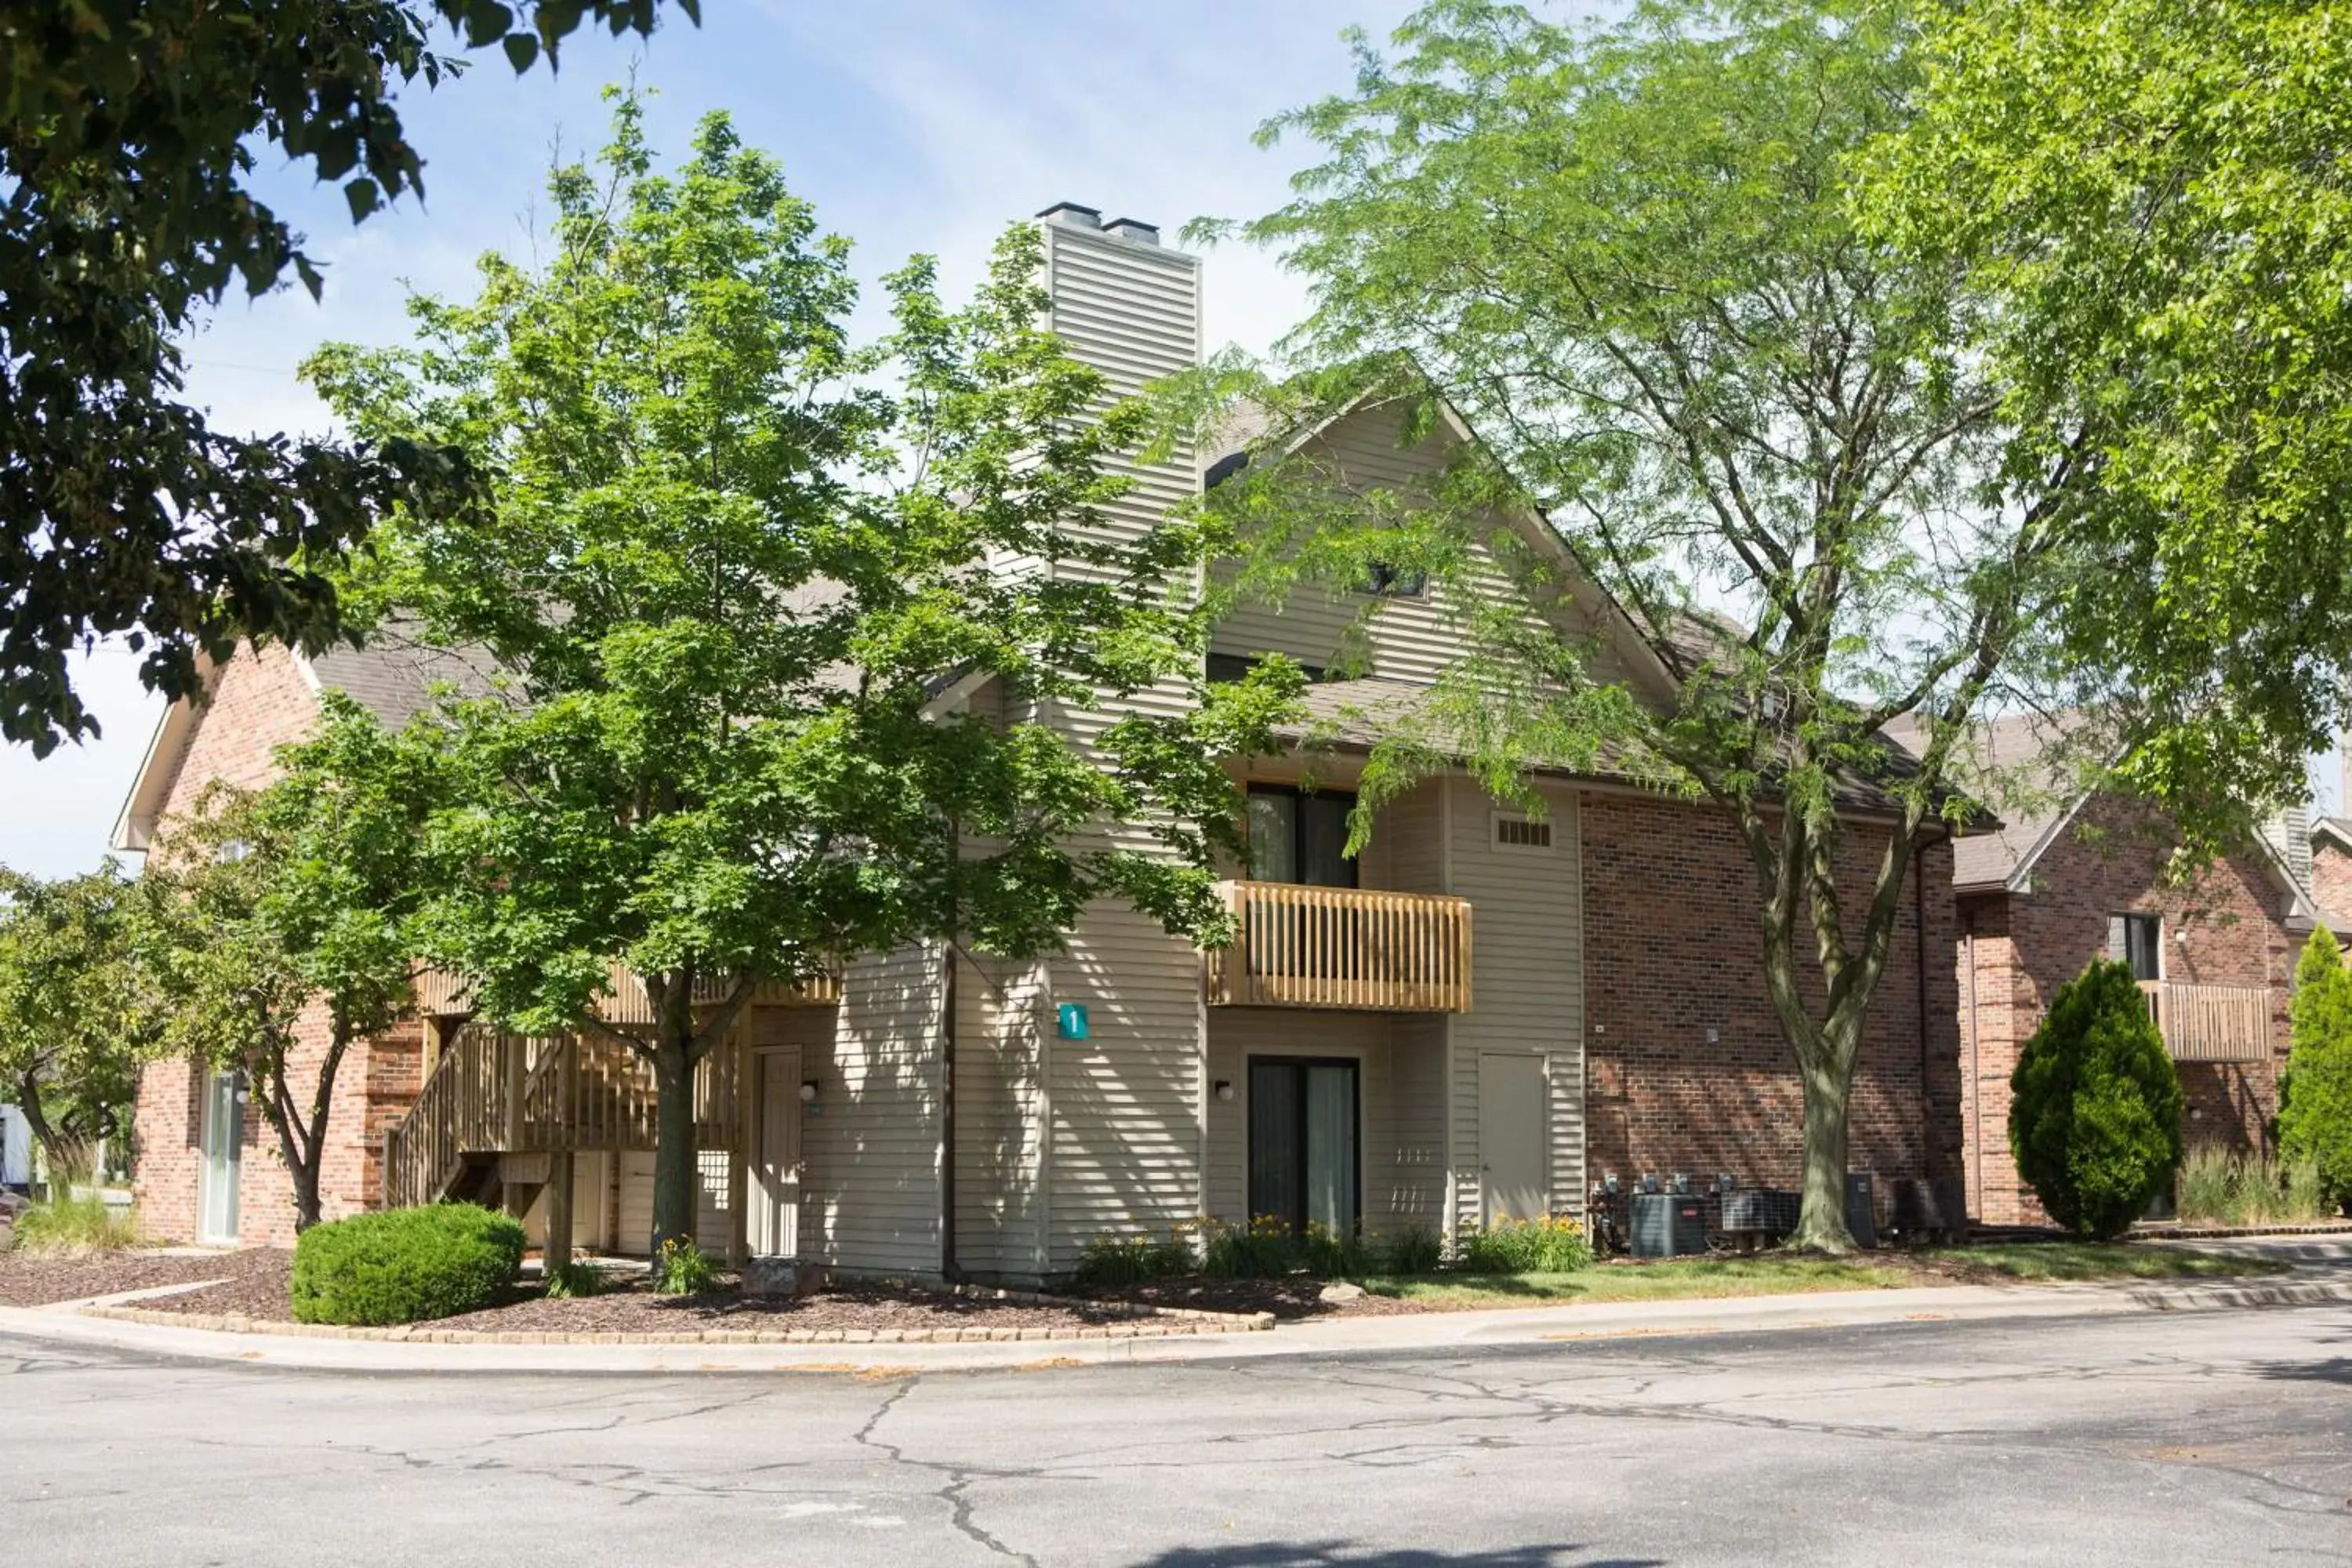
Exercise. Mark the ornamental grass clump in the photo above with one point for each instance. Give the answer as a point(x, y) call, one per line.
point(76, 1225)
point(2095, 1106)
point(405, 1266)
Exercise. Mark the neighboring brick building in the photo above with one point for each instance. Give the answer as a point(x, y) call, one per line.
point(2083, 876)
point(206, 1163)
point(1688, 1069)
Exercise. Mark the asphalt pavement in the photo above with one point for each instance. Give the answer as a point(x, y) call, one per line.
point(2210, 1438)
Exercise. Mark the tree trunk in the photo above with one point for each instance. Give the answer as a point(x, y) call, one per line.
point(1821, 1224)
point(674, 1151)
point(64, 1154)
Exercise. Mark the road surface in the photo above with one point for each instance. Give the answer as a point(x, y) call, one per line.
point(2207, 1439)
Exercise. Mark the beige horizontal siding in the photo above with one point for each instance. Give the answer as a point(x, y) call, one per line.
point(870, 1195)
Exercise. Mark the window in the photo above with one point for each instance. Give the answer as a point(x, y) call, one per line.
point(2137, 940)
point(1515, 830)
point(1394, 582)
point(1225, 667)
point(1294, 836)
point(1303, 1168)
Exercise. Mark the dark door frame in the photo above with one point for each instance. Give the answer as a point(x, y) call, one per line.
point(1296, 1216)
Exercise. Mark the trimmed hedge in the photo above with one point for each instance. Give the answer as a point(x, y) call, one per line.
point(403, 1266)
point(2095, 1105)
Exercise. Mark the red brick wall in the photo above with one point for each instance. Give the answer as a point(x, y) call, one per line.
point(2023, 947)
point(2331, 875)
point(1673, 948)
point(262, 701)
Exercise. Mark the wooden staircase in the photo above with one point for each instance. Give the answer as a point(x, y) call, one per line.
point(495, 1093)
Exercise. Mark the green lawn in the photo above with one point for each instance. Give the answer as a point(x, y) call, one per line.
point(2100, 1260)
point(1771, 1275)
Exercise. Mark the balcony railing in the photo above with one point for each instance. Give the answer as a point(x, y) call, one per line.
point(1342, 947)
point(2211, 1023)
point(442, 994)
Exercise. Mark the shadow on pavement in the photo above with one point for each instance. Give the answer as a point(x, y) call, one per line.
point(1343, 1554)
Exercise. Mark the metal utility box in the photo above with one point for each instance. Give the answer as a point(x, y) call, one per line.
point(1667, 1224)
point(1759, 1211)
point(1861, 1209)
point(1938, 1209)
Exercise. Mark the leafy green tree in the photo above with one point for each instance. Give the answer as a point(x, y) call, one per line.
point(282, 931)
point(1637, 260)
point(739, 569)
point(129, 133)
point(2315, 1118)
point(2095, 1105)
point(76, 1009)
point(2151, 200)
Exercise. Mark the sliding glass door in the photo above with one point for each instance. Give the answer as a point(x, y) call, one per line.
point(1304, 1165)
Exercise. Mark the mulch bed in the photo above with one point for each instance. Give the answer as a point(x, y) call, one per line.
point(630, 1307)
point(34, 1279)
point(1293, 1299)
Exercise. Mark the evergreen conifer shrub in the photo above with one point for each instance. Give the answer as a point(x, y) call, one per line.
point(2315, 1119)
point(2095, 1108)
point(403, 1266)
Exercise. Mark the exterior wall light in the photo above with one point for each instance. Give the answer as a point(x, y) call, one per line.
point(1225, 1089)
point(808, 1091)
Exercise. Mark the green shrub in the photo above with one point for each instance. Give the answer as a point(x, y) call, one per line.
point(2315, 1119)
point(1263, 1250)
point(70, 1226)
point(1132, 1259)
point(681, 1270)
point(1330, 1255)
point(1415, 1250)
point(577, 1278)
point(2095, 1105)
point(1553, 1245)
point(405, 1266)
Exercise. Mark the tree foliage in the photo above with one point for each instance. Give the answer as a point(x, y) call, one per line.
point(2315, 1116)
point(2152, 199)
point(744, 573)
point(283, 923)
point(2095, 1105)
point(77, 1009)
point(130, 131)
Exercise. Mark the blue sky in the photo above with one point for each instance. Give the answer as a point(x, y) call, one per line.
point(914, 125)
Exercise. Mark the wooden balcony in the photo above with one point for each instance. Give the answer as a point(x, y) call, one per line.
point(2211, 1023)
point(1342, 947)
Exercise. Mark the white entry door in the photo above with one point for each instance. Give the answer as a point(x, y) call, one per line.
point(1514, 1110)
point(224, 1146)
point(776, 1170)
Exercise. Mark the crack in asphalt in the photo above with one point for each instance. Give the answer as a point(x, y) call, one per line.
point(953, 1493)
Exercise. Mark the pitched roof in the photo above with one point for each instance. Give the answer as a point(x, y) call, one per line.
point(394, 674)
point(2023, 748)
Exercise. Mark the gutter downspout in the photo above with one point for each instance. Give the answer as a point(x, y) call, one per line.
point(1919, 923)
point(948, 1268)
point(1976, 1077)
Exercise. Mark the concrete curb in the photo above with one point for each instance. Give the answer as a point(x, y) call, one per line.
point(1429, 1332)
point(2239, 1232)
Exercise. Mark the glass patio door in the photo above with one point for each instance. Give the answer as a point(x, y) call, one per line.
point(1303, 1166)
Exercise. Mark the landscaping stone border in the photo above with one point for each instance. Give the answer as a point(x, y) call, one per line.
point(2172, 1231)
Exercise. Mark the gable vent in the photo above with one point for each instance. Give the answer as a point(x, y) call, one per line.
point(1519, 833)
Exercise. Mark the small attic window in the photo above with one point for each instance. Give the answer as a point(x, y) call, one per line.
point(1516, 830)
